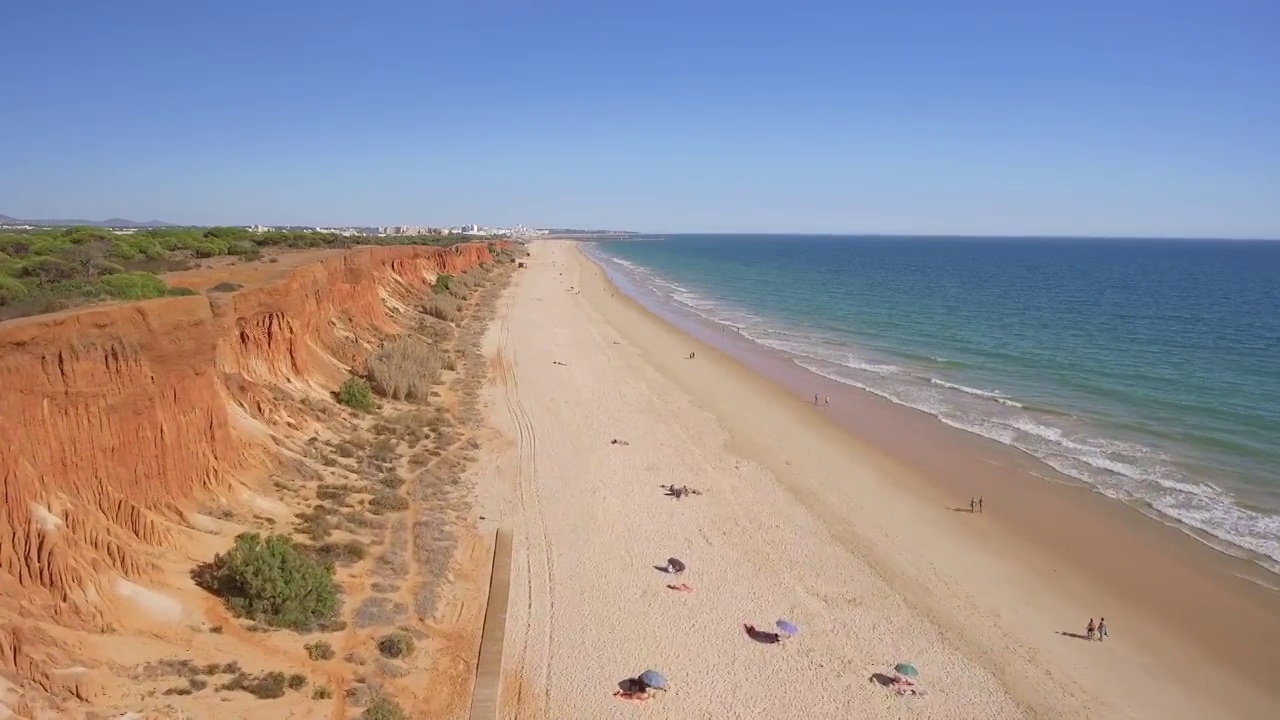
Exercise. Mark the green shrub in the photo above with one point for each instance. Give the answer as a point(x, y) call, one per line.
point(225, 287)
point(319, 650)
point(355, 394)
point(442, 283)
point(133, 286)
point(382, 707)
point(405, 369)
point(321, 693)
point(296, 681)
point(181, 292)
point(102, 266)
point(48, 269)
point(396, 645)
point(11, 291)
point(274, 582)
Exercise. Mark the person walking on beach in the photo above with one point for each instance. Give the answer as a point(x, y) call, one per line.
point(1090, 629)
point(1102, 629)
point(815, 399)
point(827, 406)
point(979, 503)
point(973, 507)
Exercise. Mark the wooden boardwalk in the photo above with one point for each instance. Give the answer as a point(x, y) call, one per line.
point(485, 694)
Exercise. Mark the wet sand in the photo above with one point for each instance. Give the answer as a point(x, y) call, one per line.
point(844, 521)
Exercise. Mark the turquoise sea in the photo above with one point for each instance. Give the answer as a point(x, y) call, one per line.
point(1149, 369)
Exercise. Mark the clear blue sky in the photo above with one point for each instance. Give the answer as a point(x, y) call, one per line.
point(1028, 116)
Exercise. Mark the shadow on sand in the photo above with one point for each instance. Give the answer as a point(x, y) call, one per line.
point(632, 685)
point(882, 679)
point(961, 509)
point(1077, 636)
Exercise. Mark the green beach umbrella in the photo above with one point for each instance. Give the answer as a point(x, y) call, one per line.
point(906, 669)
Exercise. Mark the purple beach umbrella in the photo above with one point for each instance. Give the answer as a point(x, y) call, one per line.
point(787, 627)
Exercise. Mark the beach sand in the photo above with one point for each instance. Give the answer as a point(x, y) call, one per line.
point(802, 519)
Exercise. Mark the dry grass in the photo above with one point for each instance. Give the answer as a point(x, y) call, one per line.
point(461, 286)
point(405, 369)
point(443, 307)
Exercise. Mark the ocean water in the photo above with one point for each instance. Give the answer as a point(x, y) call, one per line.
point(1148, 369)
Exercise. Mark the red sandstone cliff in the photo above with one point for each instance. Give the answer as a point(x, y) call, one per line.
point(116, 418)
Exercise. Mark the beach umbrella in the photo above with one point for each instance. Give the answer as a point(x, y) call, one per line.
point(906, 669)
point(653, 679)
point(787, 627)
point(676, 566)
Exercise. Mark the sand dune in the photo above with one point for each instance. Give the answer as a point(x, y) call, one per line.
point(796, 520)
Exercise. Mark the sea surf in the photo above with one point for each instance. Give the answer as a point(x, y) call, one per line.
point(1149, 370)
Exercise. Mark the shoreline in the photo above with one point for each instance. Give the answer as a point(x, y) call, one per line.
point(780, 368)
point(1098, 444)
point(1175, 595)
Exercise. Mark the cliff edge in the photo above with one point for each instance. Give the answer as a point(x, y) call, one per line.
point(117, 419)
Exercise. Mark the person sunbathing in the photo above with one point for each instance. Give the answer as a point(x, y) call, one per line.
point(682, 587)
point(762, 636)
point(904, 686)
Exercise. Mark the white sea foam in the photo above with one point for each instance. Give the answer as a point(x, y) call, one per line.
point(976, 392)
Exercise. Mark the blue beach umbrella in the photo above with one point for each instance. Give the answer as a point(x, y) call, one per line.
point(787, 627)
point(906, 669)
point(653, 679)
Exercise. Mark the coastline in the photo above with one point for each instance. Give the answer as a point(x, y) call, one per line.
point(1176, 597)
point(853, 416)
point(805, 520)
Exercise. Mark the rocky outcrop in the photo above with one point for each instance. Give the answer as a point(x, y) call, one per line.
point(116, 418)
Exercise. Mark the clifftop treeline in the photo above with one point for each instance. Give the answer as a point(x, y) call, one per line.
point(49, 270)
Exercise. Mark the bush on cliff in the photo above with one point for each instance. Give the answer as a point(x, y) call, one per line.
point(405, 369)
point(133, 286)
point(355, 394)
point(394, 645)
point(272, 581)
point(11, 291)
point(443, 307)
point(382, 707)
point(462, 285)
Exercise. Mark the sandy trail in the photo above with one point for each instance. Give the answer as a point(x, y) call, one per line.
point(796, 521)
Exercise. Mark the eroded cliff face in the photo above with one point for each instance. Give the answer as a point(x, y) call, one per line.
point(116, 419)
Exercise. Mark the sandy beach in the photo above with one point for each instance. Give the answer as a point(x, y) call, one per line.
point(840, 522)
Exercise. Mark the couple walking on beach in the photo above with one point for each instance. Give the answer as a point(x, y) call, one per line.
point(976, 506)
point(1097, 632)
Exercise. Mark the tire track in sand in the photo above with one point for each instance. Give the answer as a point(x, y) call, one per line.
point(539, 569)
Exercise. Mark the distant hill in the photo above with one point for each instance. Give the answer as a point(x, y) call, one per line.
point(109, 222)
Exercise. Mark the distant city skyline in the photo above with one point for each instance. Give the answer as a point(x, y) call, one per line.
point(1137, 119)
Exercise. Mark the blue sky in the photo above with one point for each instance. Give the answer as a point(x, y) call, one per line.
point(1099, 118)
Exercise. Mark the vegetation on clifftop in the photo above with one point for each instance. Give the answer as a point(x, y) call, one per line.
point(49, 270)
point(272, 581)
